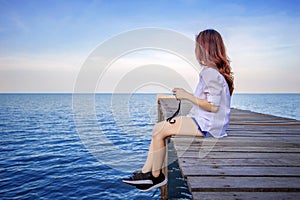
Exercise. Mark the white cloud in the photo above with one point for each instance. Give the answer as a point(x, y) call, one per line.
point(264, 53)
point(50, 73)
point(37, 81)
point(46, 62)
point(162, 66)
point(39, 73)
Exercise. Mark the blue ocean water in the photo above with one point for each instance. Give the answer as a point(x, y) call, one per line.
point(44, 156)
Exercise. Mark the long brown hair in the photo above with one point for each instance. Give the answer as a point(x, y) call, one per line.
point(211, 50)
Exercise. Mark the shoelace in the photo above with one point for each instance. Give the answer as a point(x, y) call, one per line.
point(174, 115)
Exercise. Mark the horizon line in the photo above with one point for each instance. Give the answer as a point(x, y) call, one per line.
point(135, 93)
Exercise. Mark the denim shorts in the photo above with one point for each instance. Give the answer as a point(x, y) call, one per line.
point(205, 133)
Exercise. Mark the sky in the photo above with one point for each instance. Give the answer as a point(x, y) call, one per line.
point(43, 44)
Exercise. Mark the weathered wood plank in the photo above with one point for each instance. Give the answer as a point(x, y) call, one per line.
point(279, 140)
point(264, 132)
point(239, 162)
point(273, 128)
point(245, 171)
point(245, 138)
point(239, 115)
point(238, 155)
point(241, 143)
point(244, 184)
point(254, 149)
point(246, 195)
point(247, 134)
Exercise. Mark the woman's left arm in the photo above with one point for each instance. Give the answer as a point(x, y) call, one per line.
point(182, 94)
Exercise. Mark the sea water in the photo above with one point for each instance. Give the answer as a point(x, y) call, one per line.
point(45, 154)
point(42, 155)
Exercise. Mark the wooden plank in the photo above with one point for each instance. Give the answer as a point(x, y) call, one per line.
point(238, 142)
point(245, 195)
point(246, 127)
point(267, 123)
point(247, 134)
point(259, 131)
point(238, 155)
point(279, 139)
point(237, 139)
point(240, 162)
point(244, 184)
point(265, 130)
point(282, 139)
point(241, 143)
point(254, 149)
point(238, 114)
point(245, 171)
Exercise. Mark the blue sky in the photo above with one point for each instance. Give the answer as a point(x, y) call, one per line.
point(44, 43)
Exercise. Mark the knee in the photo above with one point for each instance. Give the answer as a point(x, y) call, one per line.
point(157, 132)
point(160, 131)
point(157, 128)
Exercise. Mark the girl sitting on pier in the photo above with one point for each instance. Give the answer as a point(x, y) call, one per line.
point(209, 115)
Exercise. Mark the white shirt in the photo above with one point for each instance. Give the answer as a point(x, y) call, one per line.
point(213, 87)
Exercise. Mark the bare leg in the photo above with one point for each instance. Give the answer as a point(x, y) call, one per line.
point(149, 162)
point(159, 147)
point(183, 126)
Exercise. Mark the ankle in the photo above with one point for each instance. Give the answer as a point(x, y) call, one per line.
point(144, 171)
point(156, 174)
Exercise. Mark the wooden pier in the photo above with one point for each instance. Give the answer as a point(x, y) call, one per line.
point(260, 159)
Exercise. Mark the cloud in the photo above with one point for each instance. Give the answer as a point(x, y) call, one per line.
point(264, 52)
point(39, 73)
point(45, 62)
point(37, 81)
point(259, 42)
point(147, 63)
point(50, 73)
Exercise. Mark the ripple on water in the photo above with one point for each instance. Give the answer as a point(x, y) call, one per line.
point(42, 156)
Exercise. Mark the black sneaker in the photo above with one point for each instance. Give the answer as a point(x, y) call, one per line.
point(156, 182)
point(138, 178)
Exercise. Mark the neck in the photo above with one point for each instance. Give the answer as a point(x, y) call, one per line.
point(212, 65)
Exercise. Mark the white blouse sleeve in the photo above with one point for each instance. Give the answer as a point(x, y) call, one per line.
point(213, 86)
